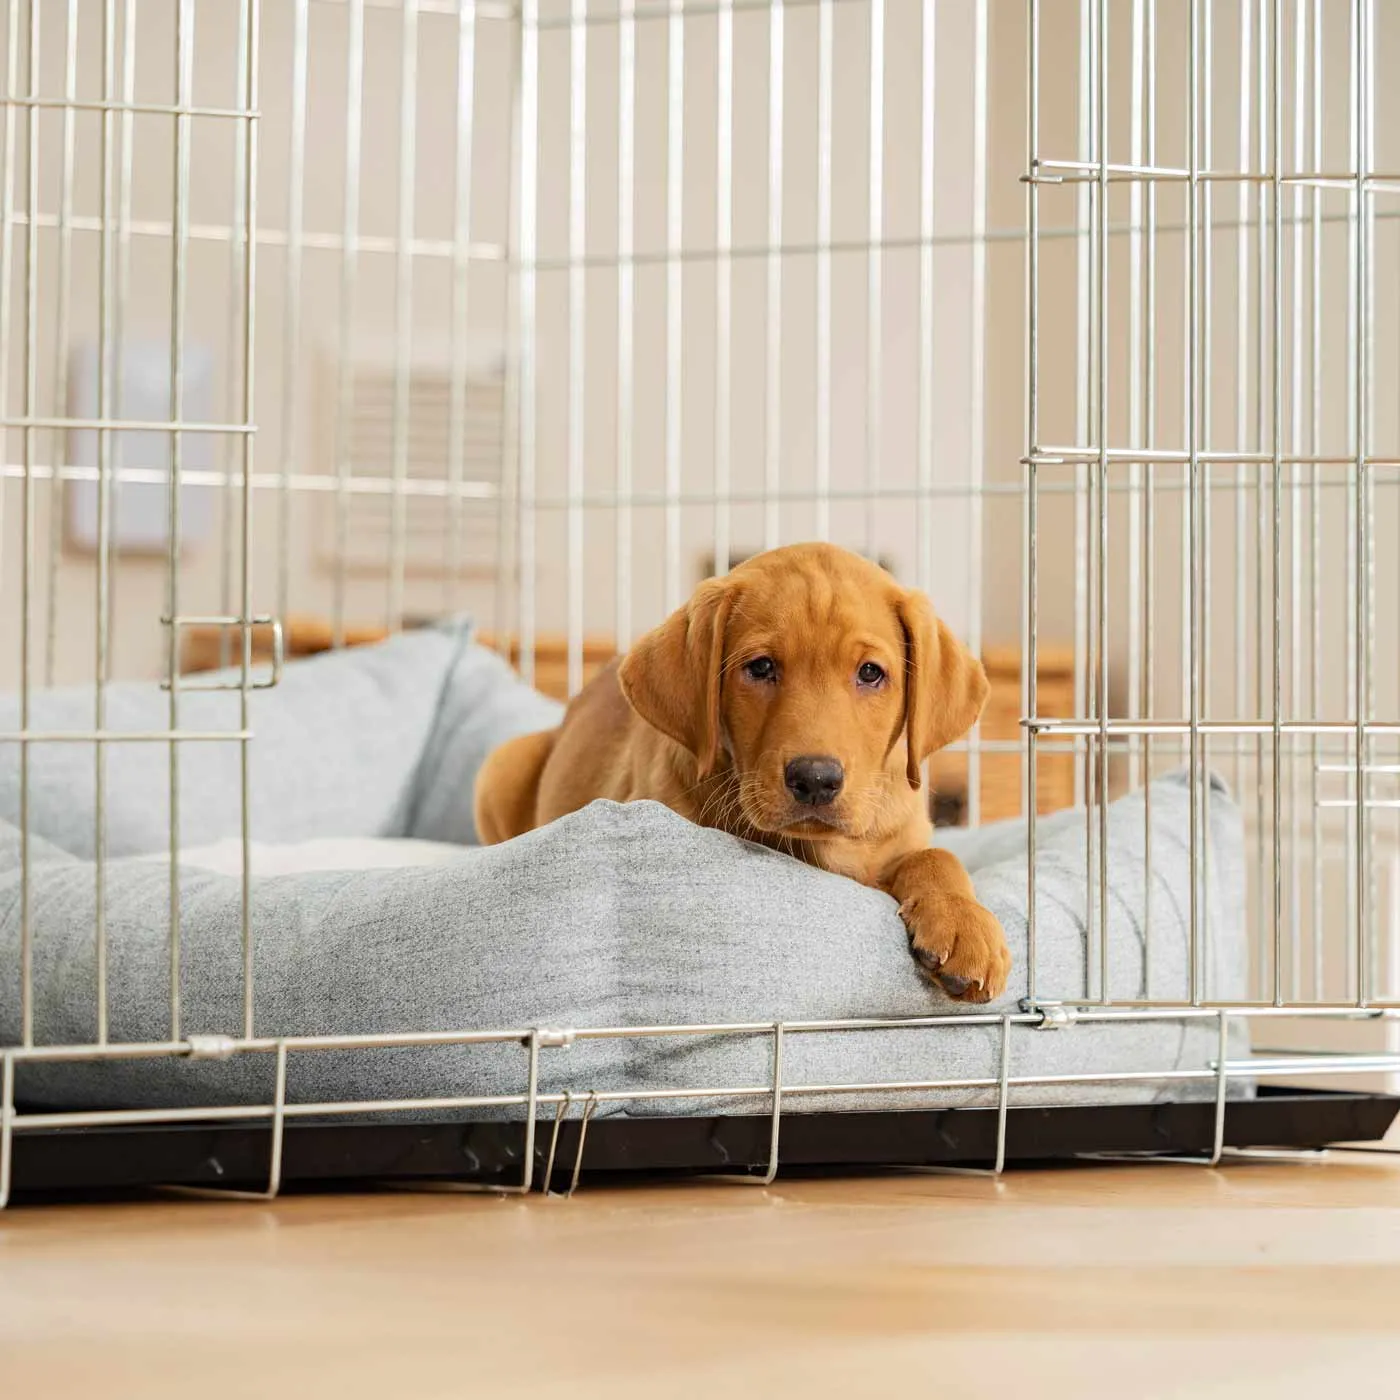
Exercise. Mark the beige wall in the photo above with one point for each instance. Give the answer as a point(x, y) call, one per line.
point(140, 583)
point(956, 578)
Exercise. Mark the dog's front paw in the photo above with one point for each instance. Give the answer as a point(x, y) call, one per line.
point(958, 944)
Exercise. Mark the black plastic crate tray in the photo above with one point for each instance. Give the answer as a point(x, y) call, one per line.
point(327, 1156)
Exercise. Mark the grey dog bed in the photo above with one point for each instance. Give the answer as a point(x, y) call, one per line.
point(615, 916)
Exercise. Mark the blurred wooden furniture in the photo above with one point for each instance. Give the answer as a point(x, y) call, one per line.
point(205, 648)
point(552, 659)
point(209, 648)
point(1000, 777)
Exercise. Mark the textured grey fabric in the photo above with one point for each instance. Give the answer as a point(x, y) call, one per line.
point(367, 742)
point(616, 916)
point(483, 704)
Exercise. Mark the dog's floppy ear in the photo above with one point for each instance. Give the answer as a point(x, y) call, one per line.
point(672, 676)
point(945, 686)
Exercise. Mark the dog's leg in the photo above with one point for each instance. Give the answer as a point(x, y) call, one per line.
point(956, 941)
point(508, 785)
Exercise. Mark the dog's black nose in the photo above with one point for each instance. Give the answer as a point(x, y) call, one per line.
point(814, 782)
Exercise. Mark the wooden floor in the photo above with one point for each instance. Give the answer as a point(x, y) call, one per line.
point(1136, 1281)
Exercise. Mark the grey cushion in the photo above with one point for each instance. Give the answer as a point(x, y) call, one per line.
point(615, 916)
point(341, 746)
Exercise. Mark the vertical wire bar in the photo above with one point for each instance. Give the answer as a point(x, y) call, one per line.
point(526, 240)
point(279, 1122)
point(588, 1110)
point(532, 1073)
point(125, 188)
point(1361, 12)
point(1083, 244)
point(1149, 515)
point(179, 287)
point(874, 288)
point(1207, 433)
point(31, 400)
point(1353, 438)
point(461, 304)
point(578, 343)
point(1241, 604)
point(1314, 447)
point(507, 589)
point(101, 661)
point(62, 339)
point(773, 384)
point(1101, 534)
point(675, 290)
point(1137, 53)
point(1032, 481)
point(626, 217)
point(403, 308)
point(776, 1113)
point(1187, 493)
point(825, 84)
point(229, 448)
point(723, 286)
point(349, 268)
point(1084, 490)
point(1368, 217)
point(506, 600)
point(1193, 482)
point(1295, 686)
point(10, 116)
point(977, 352)
point(1096, 498)
point(291, 300)
point(1276, 500)
point(1222, 1049)
point(250, 14)
point(923, 568)
point(1391, 927)
point(724, 282)
point(565, 1104)
point(775, 1121)
point(1003, 1096)
point(1262, 471)
point(1383, 952)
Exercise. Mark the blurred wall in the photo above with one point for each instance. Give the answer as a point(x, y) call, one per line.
point(969, 554)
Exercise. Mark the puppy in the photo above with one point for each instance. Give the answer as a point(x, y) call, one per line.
point(792, 703)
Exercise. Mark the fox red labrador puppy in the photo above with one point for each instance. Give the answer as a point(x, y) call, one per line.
point(792, 703)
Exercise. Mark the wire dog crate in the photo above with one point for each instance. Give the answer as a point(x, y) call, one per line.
point(1080, 314)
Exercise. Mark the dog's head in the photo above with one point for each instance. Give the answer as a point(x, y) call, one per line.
point(821, 681)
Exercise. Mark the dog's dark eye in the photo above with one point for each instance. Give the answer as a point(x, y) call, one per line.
point(870, 674)
point(761, 668)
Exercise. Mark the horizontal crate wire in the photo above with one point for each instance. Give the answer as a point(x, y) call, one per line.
point(1081, 315)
